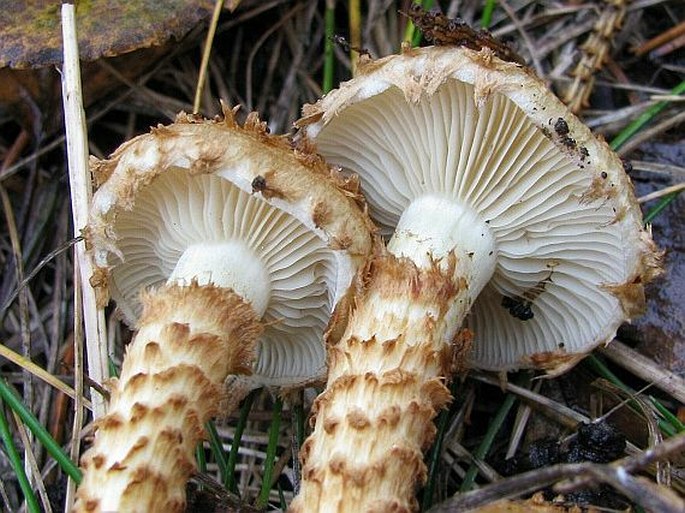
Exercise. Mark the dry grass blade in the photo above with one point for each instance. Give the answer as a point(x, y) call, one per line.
point(595, 51)
point(518, 431)
point(659, 168)
point(534, 55)
point(79, 180)
point(39, 372)
point(206, 52)
point(661, 193)
point(652, 132)
point(32, 464)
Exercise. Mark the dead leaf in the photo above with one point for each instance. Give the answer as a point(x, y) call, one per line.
point(30, 31)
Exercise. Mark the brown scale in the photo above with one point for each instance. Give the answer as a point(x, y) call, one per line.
point(443, 31)
point(595, 51)
point(520, 306)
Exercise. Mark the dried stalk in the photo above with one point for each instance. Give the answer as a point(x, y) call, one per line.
point(80, 187)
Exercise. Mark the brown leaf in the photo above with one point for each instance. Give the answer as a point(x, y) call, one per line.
point(30, 31)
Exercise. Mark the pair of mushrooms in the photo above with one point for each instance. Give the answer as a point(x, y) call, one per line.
point(514, 241)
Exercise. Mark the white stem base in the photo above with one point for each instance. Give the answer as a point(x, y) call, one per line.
point(435, 230)
point(431, 228)
point(227, 264)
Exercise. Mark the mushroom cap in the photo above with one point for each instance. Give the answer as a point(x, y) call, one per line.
point(300, 235)
point(571, 251)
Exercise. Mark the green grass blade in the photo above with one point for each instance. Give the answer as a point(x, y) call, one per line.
point(112, 368)
point(667, 415)
point(53, 448)
point(201, 460)
point(416, 40)
point(229, 481)
point(484, 448)
point(644, 118)
point(660, 206)
point(411, 35)
point(272, 446)
point(17, 464)
point(218, 451)
point(328, 56)
point(281, 497)
point(434, 460)
point(633, 128)
point(665, 423)
point(522, 379)
point(486, 18)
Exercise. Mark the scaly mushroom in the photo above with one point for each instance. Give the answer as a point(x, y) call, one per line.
point(207, 271)
point(499, 205)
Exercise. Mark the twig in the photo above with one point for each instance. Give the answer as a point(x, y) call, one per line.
point(661, 39)
point(562, 414)
point(645, 368)
point(658, 498)
point(669, 47)
point(79, 181)
point(639, 490)
point(645, 407)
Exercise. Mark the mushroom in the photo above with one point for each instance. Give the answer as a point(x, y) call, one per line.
point(212, 274)
point(515, 241)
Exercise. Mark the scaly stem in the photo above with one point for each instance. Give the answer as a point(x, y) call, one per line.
point(385, 386)
point(190, 339)
point(387, 374)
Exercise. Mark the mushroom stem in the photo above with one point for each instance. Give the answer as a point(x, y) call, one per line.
point(190, 339)
point(386, 383)
point(229, 264)
point(432, 227)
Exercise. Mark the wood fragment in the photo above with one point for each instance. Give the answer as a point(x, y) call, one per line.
point(443, 31)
